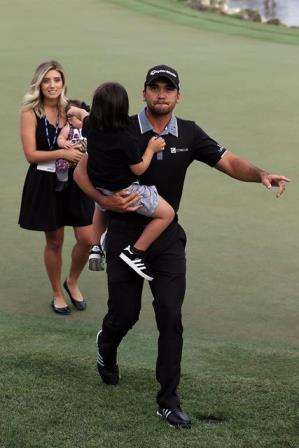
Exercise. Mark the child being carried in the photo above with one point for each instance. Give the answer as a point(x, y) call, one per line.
point(114, 164)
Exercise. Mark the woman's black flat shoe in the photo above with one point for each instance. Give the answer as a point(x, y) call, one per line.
point(80, 305)
point(63, 311)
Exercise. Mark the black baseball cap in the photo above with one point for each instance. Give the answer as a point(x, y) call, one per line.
point(163, 71)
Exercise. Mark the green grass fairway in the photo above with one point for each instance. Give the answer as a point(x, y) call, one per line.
point(240, 361)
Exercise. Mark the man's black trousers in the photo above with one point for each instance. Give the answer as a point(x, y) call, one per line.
point(166, 258)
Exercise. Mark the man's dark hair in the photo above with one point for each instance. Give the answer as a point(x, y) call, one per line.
point(110, 107)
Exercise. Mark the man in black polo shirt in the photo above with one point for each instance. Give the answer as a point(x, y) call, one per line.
point(185, 142)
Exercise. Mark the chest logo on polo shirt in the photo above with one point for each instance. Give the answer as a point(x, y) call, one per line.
point(175, 150)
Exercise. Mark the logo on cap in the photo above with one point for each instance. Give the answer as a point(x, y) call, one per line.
point(154, 72)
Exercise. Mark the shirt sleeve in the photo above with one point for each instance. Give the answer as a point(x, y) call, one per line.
point(206, 149)
point(131, 150)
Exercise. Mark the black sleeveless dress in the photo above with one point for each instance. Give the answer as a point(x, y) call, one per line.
point(43, 208)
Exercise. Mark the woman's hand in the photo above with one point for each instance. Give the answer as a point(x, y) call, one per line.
point(68, 144)
point(72, 155)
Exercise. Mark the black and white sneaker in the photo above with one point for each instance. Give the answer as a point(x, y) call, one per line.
point(108, 373)
point(136, 262)
point(175, 417)
point(96, 259)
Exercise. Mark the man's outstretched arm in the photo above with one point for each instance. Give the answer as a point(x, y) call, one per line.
point(119, 202)
point(242, 169)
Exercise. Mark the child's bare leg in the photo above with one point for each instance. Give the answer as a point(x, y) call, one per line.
point(99, 223)
point(163, 216)
point(96, 254)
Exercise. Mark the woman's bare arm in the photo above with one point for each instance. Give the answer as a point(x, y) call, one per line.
point(27, 130)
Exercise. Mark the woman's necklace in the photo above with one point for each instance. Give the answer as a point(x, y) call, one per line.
point(51, 144)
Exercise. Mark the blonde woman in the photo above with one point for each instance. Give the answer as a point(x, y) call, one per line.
point(44, 208)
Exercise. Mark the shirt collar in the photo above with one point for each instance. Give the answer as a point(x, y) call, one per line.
point(145, 125)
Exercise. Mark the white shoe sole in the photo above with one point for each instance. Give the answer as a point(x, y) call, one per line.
point(129, 262)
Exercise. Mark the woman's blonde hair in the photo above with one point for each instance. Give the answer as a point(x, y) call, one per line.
point(33, 99)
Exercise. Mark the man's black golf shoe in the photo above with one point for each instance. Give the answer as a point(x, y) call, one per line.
point(175, 417)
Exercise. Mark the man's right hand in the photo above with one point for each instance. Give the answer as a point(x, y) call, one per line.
point(121, 202)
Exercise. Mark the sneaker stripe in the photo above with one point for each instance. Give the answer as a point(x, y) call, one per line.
point(98, 335)
point(100, 360)
point(166, 412)
point(133, 266)
point(128, 248)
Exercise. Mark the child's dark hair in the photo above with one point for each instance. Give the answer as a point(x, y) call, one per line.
point(110, 107)
point(77, 103)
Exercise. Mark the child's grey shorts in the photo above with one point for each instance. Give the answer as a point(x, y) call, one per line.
point(149, 197)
